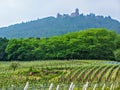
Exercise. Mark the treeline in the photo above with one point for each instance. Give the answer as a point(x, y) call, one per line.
point(87, 44)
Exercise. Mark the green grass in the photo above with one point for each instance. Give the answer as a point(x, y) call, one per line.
point(59, 72)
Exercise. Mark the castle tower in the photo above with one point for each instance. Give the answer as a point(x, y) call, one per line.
point(77, 12)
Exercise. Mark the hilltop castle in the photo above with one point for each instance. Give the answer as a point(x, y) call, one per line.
point(74, 14)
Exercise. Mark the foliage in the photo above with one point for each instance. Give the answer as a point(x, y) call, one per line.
point(87, 44)
point(3, 44)
point(117, 55)
point(117, 41)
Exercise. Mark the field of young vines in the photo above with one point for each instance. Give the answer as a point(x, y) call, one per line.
point(100, 75)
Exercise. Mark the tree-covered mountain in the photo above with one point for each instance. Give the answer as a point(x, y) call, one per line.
point(53, 26)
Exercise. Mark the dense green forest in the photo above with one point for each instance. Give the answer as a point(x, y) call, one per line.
point(62, 24)
point(95, 43)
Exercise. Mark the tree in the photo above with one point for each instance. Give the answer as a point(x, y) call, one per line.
point(14, 65)
point(118, 42)
point(3, 44)
point(87, 44)
point(117, 54)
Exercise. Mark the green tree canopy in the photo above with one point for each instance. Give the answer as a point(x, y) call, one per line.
point(3, 44)
point(87, 44)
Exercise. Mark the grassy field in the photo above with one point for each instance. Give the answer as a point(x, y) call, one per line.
point(40, 74)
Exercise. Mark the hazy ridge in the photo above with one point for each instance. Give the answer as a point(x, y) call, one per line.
point(61, 24)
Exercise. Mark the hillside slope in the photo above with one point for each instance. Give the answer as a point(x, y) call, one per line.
point(53, 26)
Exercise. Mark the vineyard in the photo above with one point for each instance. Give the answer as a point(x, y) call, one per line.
point(40, 74)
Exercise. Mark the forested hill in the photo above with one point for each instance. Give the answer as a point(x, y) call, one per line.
point(53, 26)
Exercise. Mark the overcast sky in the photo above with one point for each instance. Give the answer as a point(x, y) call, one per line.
point(16, 11)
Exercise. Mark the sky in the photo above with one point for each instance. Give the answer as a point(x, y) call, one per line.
point(17, 11)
